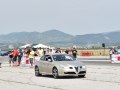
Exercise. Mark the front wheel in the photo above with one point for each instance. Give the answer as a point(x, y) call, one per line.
point(55, 73)
point(37, 73)
point(81, 76)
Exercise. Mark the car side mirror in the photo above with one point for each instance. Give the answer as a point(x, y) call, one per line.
point(50, 60)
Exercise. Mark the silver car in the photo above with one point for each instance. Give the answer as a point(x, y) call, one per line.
point(59, 65)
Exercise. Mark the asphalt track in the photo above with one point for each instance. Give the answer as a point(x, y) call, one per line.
point(98, 61)
point(101, 75)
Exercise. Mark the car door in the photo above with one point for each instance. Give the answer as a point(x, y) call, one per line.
point(41, 64)
point(44, 64)
point(48, 64)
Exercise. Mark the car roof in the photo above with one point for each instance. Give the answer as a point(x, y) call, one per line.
point(55, 54)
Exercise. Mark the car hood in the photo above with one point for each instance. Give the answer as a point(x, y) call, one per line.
point(69, 63)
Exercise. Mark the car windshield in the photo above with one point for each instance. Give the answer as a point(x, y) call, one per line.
point(62, 57)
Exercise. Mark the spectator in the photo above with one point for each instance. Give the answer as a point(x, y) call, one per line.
point(0, 62)
point(58, 50)
point(20, 54)
point(40, 52)
point(31, 57)
point(51, 51)
point(111, 51)
point(70, 52)
point(67, 51)
point(36, 53)
point(0, 51)
point(48, 50)
point(74, 53)
point(15, 54)
point(11, 57)
point(24, 57)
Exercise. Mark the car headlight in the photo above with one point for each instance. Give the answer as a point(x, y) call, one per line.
point(68, 67)
point(83, 66)
point(64, 67)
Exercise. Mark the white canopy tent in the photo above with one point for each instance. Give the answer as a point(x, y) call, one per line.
point(40, 45)
point(25, 46)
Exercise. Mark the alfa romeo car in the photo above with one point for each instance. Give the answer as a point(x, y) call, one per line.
point(59, 65)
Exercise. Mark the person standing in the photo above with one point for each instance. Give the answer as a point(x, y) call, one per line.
point(111, 52)
point(15, 54)
point(0, 61)
point(58, 50)
point(20, 54)
point(24, 58)
point(31, 57)
point(11, 57)
point(74, 53)
point(40, 52)
point(51, 51)
point(67, 51)
point(0, 51)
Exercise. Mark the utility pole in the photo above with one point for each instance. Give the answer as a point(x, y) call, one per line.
point(103, 45)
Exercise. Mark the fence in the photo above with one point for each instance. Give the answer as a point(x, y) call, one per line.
point(93, 52)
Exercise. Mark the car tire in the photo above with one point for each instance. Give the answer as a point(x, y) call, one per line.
point(81, 76)
point(37, 73)
point(55, 73)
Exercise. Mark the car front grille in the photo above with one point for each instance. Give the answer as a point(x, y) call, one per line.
point(82, 72)
point(76, 68)
point(69, 73)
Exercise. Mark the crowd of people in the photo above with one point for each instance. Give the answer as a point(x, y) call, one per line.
point(18, 55)
point(113, 51)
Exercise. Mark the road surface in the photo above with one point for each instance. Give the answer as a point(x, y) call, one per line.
point(101, 75)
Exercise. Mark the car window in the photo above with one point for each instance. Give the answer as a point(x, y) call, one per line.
point(48, 57)
point(42, 58)
point(57, 58)
point(69, 58)
point(62, 58)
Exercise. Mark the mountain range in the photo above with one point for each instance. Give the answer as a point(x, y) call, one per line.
point(56, 37)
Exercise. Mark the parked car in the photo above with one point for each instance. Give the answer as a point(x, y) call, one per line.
point(59, 65)
point(5, 53)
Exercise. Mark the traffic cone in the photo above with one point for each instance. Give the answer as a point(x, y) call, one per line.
point(27, 59)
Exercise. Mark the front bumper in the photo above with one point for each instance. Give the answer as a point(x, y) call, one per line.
point(72, 72)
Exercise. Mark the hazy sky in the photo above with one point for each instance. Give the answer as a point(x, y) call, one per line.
point(70, 16)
